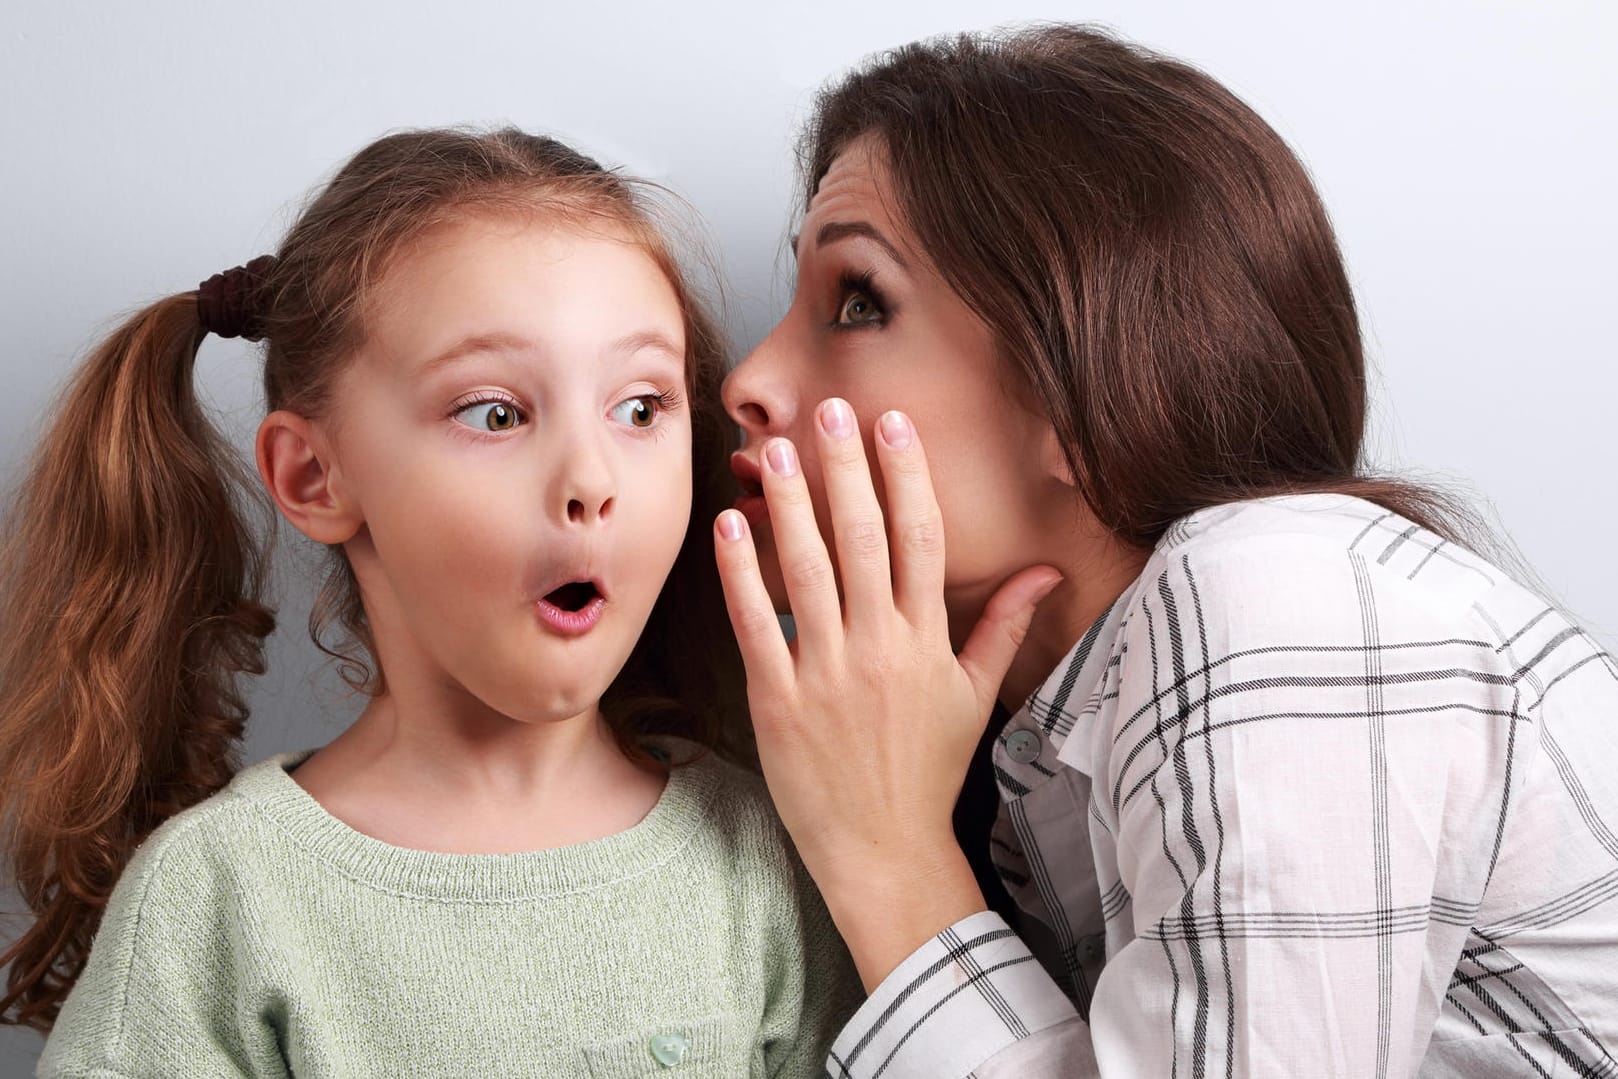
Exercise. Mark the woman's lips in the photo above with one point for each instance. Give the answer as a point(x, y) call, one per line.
point(750, 503)
point(753, 508)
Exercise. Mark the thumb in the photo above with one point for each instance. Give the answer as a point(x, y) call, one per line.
point(1000, 632)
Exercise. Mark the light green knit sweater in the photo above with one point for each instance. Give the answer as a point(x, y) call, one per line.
point(257, 935)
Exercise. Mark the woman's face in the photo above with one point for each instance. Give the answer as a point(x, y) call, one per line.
point(872, 322)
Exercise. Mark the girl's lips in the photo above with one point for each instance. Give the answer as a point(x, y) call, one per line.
point(571, 623)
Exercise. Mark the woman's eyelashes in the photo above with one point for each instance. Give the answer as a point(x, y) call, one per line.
point(859, 302)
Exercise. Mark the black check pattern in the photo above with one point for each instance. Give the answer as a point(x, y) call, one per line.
point(1321, 794)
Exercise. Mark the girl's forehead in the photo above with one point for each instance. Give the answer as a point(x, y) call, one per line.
point(504, 288)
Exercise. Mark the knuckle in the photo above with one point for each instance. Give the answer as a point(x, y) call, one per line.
point(864, 539)
point(755, 623)
point(923, 538)
point(808, 571)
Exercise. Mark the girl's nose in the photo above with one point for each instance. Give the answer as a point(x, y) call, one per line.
point(585, 485)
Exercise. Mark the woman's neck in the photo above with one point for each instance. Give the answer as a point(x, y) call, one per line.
point(1096, 569)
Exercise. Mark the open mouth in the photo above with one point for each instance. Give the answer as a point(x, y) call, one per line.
point(747, 475)
point(573, 596)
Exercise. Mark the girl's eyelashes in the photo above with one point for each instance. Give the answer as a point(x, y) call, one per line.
point(859, 303)
point(643, 409)
point(488, 412)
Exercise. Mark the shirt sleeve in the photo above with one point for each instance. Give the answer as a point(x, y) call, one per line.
point(971, 1001)
point(1308, 774)
point(154, 998)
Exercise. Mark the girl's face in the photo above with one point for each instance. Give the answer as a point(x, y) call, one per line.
point(872, 322)
point(515, 438)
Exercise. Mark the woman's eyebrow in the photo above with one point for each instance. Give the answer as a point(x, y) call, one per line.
point(833, 231)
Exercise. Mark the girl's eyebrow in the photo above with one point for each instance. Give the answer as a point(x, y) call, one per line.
point(476, 344)
point(644, 340)
point(833, 231)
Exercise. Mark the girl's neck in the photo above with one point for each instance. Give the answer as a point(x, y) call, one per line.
point(474, 782)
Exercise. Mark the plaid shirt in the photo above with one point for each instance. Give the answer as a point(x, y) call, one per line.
point(1321, 794)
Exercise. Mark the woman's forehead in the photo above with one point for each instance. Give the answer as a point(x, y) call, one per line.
point(856, 195)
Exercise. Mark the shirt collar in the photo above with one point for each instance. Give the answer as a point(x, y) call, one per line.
point(1072, 691)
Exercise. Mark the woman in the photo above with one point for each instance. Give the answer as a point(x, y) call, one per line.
point(1292, 782)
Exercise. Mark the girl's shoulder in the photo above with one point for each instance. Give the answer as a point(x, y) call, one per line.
point(215, 836)
point(731, 803)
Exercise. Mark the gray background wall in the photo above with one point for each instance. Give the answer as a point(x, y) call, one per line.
point(1466, 151)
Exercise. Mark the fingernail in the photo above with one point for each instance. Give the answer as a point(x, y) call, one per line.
point(782, 458)
point(896, 430)
point(836, 418)
point(731, 524)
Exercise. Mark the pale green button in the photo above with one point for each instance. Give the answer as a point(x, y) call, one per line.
point(669, 1049)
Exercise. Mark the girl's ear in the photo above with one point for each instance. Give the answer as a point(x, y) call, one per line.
point(300, 472)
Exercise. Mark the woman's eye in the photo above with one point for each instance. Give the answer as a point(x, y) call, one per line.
point(489, 416)
point(859, 307)
point(637, 411)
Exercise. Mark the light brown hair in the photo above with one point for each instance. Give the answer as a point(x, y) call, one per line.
point(1153, 261)
point(132, 573)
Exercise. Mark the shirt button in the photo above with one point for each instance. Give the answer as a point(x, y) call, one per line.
point(1022, 746)
point(1092, 949)
point(669, 1049)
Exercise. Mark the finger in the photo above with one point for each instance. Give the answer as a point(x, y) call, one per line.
point(856, 516)
point(915, 525)
point(805, 567)
point(1000, 632)
point(752, 615)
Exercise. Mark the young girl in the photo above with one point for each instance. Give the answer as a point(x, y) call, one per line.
point(488, 387)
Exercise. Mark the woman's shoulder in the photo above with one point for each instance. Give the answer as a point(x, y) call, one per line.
point(1302, 563)
point(1267, 536)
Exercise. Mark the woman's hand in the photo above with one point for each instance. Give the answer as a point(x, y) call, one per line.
point(867, 722)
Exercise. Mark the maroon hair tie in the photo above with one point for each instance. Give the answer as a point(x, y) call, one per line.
point(229, 303)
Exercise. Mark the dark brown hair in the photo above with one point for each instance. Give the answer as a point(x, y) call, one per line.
point(1152, 259)
point(132, 576)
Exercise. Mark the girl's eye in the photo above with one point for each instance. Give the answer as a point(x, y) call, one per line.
point(859, 307)
point(489, 416)
point(637, 411)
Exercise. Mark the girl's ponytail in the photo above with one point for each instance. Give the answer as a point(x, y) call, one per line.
point(130, 598)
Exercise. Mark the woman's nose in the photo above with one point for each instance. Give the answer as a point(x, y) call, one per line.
point(758, 393)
